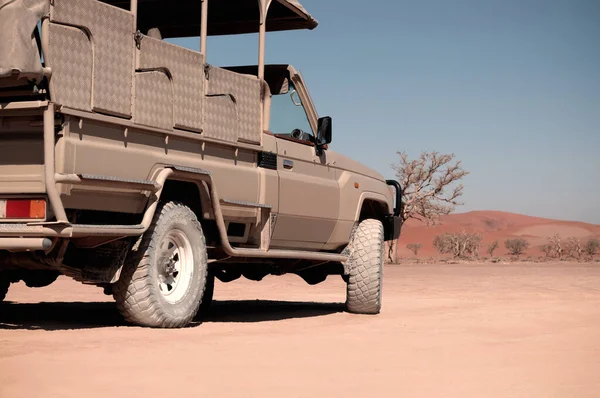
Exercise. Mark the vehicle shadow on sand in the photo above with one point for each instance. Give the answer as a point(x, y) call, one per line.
point(89, 315)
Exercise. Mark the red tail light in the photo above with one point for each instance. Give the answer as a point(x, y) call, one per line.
point(23, 209)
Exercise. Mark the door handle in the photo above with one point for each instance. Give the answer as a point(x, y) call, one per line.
point(288, 164)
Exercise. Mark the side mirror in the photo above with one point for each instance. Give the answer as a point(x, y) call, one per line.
point(324, 131)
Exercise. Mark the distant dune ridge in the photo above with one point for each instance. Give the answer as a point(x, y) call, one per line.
point(494, 225)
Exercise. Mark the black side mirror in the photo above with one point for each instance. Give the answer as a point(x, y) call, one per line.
point(324, 131)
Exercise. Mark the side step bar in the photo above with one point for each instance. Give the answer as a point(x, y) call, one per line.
point(25, 244)
point(106, 181)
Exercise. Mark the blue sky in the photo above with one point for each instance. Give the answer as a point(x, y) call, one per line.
point(512, 88)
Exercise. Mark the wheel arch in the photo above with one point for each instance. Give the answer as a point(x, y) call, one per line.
point(195, 195)
point(376, 206)
point(372, 205)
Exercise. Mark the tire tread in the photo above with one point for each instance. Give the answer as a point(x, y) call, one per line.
point(134, 293)
point(364, 287)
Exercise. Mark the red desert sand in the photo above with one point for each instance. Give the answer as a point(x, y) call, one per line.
point(475, 330)
point(494, 225)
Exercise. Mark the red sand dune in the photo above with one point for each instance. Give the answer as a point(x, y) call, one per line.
point(494, 225)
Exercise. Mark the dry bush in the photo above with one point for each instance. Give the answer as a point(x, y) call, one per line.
point(428, 188)
point(491, 247)
point(592, 246)
point(573, 248)
point(555, 242)
point(546, 249)
point(460, 244)
point(414, 247)
point(516, 246)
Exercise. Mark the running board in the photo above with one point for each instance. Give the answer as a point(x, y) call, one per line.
point(107, 181)
point(244, 204)
point(107, 230)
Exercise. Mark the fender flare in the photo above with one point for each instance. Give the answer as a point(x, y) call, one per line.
point(369, 195)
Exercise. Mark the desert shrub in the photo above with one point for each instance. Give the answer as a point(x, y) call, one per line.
point(516, 246)
point(573, 248)
point(556, 246)
point(592, 246)
point(414, 247)
point(459, 244)
point(546, 249)
point(491, 247)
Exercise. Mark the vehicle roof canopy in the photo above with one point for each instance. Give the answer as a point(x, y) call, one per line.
point(181, 18)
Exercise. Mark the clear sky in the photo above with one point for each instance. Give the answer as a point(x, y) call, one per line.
point(511, 87)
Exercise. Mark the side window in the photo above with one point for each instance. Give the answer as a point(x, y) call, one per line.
point(288, 116)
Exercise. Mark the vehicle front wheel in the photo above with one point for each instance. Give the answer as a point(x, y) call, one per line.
point(4, 285)
point(163, 279)
point(364, 286)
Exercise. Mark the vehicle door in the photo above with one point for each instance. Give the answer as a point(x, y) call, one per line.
point(308, 188)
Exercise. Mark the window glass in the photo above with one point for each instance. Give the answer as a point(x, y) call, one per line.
point(287, 114)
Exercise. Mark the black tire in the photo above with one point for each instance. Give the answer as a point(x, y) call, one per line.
point(365, 279)
point(150, 273)
point(207, 298)
point(4, 285)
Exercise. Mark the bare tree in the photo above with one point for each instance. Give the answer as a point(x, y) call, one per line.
point(555, 242)
point(491, 247)
point(414, 247)
point(429, 188)
point(573, 247)
point(516, 246)
point(592, 246)
point(460, 244)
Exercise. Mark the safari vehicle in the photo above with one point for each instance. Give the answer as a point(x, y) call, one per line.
point(133, 164)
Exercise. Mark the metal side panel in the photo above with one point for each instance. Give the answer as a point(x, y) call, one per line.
point(70, 56)
point(112, 34)
point(221, 120)
point(187, 73)
point(246, 92)
point(153, 103)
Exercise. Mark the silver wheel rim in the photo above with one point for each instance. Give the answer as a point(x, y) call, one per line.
point(176, 267)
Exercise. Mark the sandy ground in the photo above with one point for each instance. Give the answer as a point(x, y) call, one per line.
point(445, 331)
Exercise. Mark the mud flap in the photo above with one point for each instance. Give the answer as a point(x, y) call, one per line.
point(392, 227)
point(99, 265)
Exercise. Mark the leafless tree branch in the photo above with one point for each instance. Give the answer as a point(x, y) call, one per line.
point(430, 188)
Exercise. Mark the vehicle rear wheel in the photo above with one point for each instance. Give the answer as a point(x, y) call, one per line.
point(164, 277)
point(364, 286)
point(4, 285)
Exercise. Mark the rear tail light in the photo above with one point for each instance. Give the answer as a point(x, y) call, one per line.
point(22, 209)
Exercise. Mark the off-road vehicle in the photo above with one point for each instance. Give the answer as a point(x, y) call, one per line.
point(133, 164)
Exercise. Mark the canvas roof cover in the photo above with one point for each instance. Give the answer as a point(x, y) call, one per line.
point(181, 18)
point(18, 49)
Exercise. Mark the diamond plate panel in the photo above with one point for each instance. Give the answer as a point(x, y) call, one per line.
point(70, 57)
point(187, 71)
point(153, 100)
point(246, 92)
point(221, 119)
point(112, 31)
